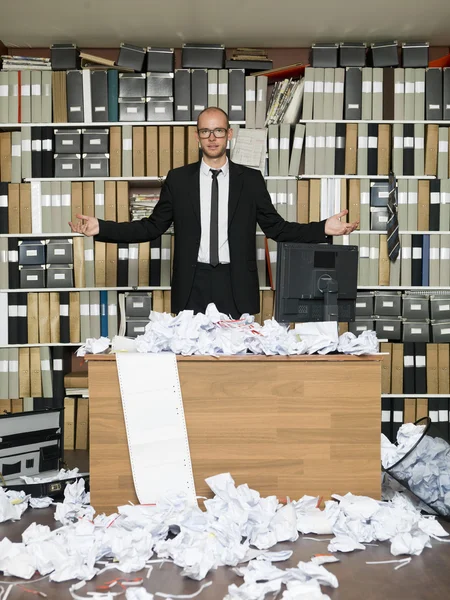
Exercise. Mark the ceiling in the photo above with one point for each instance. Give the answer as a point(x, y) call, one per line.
point(268, 23)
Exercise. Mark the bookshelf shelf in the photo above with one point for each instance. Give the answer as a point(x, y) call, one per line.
point(96, 289)
point(402, 232)
point(267, 178)
point(377, 121)
point(106, 124)
point(41, 345)
point(404, 287)
point(413, 395)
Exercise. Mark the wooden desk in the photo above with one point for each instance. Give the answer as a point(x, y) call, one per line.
point(286, 425)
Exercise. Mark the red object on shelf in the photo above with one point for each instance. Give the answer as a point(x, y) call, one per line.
point(442, 62)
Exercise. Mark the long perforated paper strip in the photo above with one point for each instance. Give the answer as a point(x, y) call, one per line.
point(155, 425)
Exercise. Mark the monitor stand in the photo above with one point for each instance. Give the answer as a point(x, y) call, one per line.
point(329, 287)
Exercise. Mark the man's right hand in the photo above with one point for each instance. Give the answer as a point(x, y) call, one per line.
point(86, 225)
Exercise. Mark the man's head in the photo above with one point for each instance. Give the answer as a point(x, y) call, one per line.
point(213, 145)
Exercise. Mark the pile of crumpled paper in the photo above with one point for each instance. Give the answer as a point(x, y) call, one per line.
point(237, 529)
point(214, 333)
point(426, 471)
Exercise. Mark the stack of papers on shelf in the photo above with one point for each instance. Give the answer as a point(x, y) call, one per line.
point(25, 63)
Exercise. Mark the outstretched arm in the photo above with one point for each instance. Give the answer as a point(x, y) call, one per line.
point(276, 228)
point(144, 230)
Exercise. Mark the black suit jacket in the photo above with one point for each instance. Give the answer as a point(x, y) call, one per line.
point(249, 204)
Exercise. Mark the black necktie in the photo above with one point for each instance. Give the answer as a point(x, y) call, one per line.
point(393, 238)
point(214, 224)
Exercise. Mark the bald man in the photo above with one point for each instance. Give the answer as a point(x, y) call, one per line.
point(215, 205)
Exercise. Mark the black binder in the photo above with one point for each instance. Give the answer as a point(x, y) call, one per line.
point(408, 368)
point(182, 87)
point(353, 93)
point(199, 92)
point(435, 193)
point(372, 150)
point(420, 351)
point(99, 95)
point(47, 152)
point(74, 85)
point(122, 265)
point(155, 262)
point(408, 149)
point(36, 151)
point(22, 318)
point(64, 324)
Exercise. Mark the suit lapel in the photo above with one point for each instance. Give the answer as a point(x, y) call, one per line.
point(194, 189)
point(235, 187)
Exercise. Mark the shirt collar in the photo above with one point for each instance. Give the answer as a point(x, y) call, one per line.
point(205, 169)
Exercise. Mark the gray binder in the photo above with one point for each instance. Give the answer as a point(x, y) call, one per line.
point(328, 94)
point(133, 265)
point(166, 243)
point(261, 101)
point(366, 107)
point(330, 147)
point(46, 372)
point(250, 101)
point(405, 269)
point(319, 82)
point(444, 266)
point(291, 214)
point(222, 96)
point(297, 149)
point(310, 144)
point(85, 325)
point(46, 207)
point(412, 205)
point(284, 147)
point(419, 94)
point(444, 208)
point(273, 144)
point(363, 134)
point(402, 198)
point(364, 205)
point(36, 97)
point(127, 150)
point(13, 383)
point(410, 83)
point(94, 313)
point(308, 94)
point(399, 94)
point(442, 168)
point(66, 205)
point(56, 207)
point(282, 197)
point(4, 391)
point(89, 268)
point(13, 94)
point(4, 101)
point(113, 325)
point(99, 205)
point(212, 88)
point(377, 94)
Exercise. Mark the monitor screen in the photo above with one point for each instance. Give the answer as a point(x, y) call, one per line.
point(310, 277)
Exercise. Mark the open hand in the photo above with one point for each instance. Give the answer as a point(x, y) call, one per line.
point(334, 226)
point(87, 225)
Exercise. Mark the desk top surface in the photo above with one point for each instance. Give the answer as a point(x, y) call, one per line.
point(253, 358)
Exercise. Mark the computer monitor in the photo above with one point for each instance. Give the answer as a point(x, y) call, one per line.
point(315, 282)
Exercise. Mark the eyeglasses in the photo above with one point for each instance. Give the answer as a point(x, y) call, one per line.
point(219, 132)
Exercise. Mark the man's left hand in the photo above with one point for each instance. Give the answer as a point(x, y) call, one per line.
point(334, 226)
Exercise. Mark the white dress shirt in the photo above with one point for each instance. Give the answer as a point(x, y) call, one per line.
point(223, 180)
